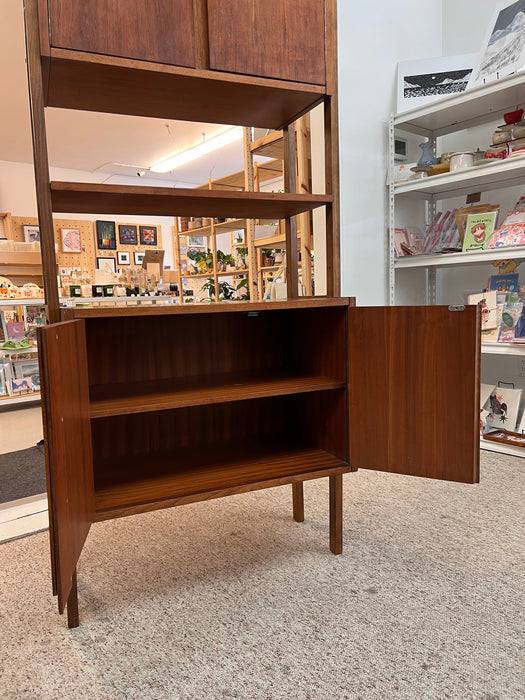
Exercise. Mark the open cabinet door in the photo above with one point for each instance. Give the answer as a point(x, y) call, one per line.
point(414, 377)
point(65, 398)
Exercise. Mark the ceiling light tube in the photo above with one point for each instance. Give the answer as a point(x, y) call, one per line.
point(207, 146)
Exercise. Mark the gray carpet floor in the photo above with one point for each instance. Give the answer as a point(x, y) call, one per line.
point(22, 473)
point(232, 599)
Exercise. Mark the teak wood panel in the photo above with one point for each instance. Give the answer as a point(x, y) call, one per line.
point(125, 86)
point(277, 38)
point(70, 473)
point(161, 31)
point(86, 198)
point(414, 377)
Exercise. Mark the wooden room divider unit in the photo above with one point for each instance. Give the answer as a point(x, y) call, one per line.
point(228, 397)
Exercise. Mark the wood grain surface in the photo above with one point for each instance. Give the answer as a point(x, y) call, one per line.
point(414, 377)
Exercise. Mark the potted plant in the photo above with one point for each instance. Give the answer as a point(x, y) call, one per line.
point(267, 254)
point(241, 258)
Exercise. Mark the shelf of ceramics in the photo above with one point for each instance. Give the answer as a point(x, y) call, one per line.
point(472, 257)
point(466, 109)
point(513, 349)
point(495, 174)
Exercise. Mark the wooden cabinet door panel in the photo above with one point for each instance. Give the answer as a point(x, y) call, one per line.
point(270, 38)
point(414, 377)
point(65, 396)
point(158, 30)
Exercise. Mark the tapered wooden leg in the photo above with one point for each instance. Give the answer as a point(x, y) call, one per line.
point(72, 604)
point(336, 513)
point(298, 501)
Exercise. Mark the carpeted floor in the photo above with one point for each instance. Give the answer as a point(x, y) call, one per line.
point(232, 599)
point(22, 473)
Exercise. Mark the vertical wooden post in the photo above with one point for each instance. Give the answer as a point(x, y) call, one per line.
point(41, 164)
point(292, 277)
point(298, 501)
point(303, 187)
point(336, 513)
point(249, 242)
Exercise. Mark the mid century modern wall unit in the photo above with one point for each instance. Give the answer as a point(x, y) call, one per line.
point(263, 394)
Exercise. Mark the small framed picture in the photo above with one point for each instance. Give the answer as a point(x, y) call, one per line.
point(70, 240)
point(31, 234)
point(138, 257)
point(25, 368)
point(123, 257)
point(3, 384)
point(148, 235)
point(106, 264)
point(196, 241)
point(127, 235)
point(106, 236)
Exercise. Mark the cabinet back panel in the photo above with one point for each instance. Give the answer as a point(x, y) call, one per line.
point(161, 31)
point(278, 38)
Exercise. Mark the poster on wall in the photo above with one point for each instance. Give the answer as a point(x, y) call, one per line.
point(127, 235)
point(70, 240)
point(106, 237)
point(148, 235)
point(429, 79)
point(31, 234)
point(503, 49)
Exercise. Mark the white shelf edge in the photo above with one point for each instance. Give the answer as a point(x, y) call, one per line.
point(502, 448)
point(22, 302)
point(493, 175)
point(17, 400)
point(503, 349)
point(472, 257)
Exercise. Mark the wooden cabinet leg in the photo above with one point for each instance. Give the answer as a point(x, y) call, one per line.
point(72, 604)
point(336, 513)
point(298, 501)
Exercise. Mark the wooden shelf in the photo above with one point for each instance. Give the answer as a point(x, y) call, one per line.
point(143, 397)
point(470, 257)
point(223, 227)
point(270, 146)
point(86, 198)
point(150, 481)
point(126, 86)
point(17, 400)
point(219, 274)
point(236, 181)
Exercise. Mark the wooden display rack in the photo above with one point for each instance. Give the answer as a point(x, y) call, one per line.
point(225, 398)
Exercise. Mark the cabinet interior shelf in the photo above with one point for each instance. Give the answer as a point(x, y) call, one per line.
point(140, 88)
point(86, 198)
point(490, 176)
point(153, 480)
point(462, 110)
point(143, 397)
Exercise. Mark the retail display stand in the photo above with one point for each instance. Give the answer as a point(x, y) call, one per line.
point(221, 399)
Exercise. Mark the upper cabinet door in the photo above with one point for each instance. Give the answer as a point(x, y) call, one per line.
point(270, 38)
point(161, 31)
point(414, 390)
point(65, 396)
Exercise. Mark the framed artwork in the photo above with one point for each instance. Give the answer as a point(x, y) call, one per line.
point(106, 264)
point(503, 49)
point(127, 235)
point(25, 368)
point(430, 79)
point(123, 257)
point(138, 257)
point(106, 237)
point(31, 234)
point(3, 385)
point(196, 241)
point(22, 386)
point(70, 240)
point(148, 235)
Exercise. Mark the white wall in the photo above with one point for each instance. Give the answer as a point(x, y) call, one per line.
point(373, 37)
point(465, 23)
point(18, 196)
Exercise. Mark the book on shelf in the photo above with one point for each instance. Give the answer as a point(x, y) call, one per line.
point(504, 283)
point(478, 230)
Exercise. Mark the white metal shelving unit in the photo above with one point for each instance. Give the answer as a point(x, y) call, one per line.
point(480, 105)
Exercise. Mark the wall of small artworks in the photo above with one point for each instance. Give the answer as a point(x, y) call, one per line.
point(88, 244)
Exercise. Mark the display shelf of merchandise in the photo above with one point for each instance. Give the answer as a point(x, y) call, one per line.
point(495, 174)
point(171, 201)
point(472, 257)
point(513, 349)
point(22, 302)
point(232, 273)
point(463, 110)
point(502, 448)
point(144, 397)
point(17, 400)
point(117, 301)
point(7, 351)
point(21, 267)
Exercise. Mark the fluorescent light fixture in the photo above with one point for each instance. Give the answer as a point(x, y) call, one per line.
point(207, 146)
